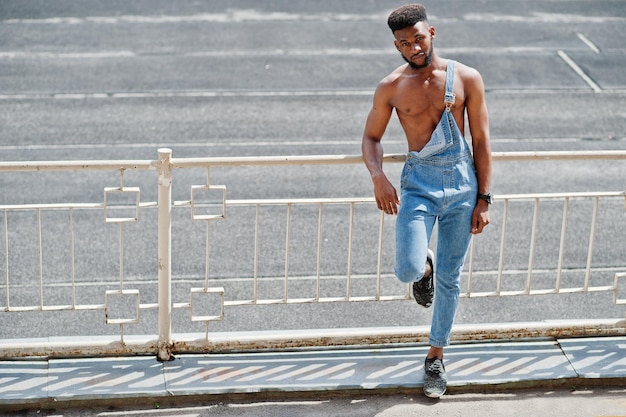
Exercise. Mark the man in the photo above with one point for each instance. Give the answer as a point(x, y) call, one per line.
point(441, 180)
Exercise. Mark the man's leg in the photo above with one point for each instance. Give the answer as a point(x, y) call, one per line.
point(413, 231)
point(453, 241)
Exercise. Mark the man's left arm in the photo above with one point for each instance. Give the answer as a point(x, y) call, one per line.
point(478, 119)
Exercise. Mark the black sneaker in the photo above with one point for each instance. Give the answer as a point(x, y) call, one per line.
point(435, 378)
point(424, 289)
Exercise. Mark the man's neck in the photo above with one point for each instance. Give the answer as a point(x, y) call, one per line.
point(424, 72)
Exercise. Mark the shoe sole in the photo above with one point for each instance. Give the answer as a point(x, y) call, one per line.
point(434, 395)
point(437, 392)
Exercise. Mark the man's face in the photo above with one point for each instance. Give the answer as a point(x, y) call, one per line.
point(415, 44)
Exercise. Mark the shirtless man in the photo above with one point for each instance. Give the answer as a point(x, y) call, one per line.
point(441, 180)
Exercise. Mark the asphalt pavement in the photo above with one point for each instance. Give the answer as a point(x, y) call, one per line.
point(84, 80)
point(118, 80)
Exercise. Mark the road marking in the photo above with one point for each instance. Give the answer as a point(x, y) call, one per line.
point(538, 17)
point(230, 16)
point(595, 87)
point(191, 94)
point(10, 55)
point(234, 142)
point(210, 143)
point(283, 93)
point(251, 15)
point(587, 42)
point(66, 55)
point(183, 280)
point(359, 52)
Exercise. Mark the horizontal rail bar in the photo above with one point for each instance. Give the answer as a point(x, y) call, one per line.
point(558, 155)
point(607, 288)
point(281, 160)
point(29, 166)
point(67, 206)
point(270, 160)
point(349, 200)
point(354, 159)
point(584, 194)
point(316, 300)
point(281, 201)
point(68, 307)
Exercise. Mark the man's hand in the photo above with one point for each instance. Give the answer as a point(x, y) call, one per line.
point(386, 195)
point(480, 218)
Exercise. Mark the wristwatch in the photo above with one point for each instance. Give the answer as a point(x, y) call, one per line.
point(486, 197)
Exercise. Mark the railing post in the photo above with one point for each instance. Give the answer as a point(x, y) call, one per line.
point(164, 170)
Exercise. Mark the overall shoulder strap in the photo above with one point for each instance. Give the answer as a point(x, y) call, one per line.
point(449, 97)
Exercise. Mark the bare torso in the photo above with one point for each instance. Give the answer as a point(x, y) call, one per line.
point(418, 99)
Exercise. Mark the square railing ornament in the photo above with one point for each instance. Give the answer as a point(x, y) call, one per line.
point(121, 205)
point(120, 303)
point(205, 299)
point(208, 202)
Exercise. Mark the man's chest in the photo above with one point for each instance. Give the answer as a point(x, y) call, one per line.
point(415, 98)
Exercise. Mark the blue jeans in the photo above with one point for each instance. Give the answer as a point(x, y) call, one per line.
point(438, 184)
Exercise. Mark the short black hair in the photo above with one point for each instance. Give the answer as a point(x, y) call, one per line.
point(406, 16)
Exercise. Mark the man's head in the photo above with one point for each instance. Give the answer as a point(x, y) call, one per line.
point(406, 16)
point(413, 35)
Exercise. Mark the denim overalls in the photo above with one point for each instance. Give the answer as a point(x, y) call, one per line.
point(438, 183)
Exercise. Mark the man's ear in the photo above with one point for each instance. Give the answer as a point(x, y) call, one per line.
point(395, 43)
point(432, 32)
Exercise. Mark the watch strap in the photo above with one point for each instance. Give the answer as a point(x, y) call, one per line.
point(486, 197)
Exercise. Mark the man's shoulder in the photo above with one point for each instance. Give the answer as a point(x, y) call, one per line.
point(393, 76)
point(465, 71)
point(388, 86)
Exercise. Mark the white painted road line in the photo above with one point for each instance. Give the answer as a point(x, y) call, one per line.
point(595, 87)
point(587, 42)
point(251, 15)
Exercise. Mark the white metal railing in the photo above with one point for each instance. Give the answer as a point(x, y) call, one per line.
point(217, 290)
point(557, 288)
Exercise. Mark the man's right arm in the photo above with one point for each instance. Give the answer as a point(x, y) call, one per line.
point(377, 120)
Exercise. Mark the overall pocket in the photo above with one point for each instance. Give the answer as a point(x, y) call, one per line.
point(440, 140)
